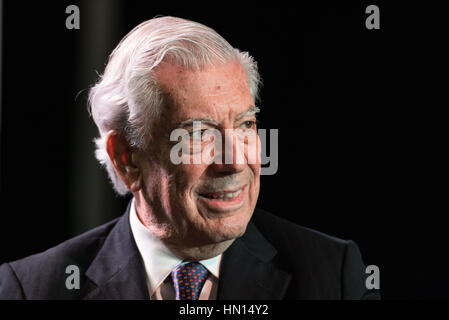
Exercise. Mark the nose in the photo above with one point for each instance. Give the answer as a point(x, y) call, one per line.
point(231, 158)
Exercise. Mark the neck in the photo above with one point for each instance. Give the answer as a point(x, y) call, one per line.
point(197, 249)
point(201, 252)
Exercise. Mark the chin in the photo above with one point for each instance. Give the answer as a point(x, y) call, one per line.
point(229, 228)
point(229, 235)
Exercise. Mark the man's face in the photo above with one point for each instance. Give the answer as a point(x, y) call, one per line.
point(209, 202)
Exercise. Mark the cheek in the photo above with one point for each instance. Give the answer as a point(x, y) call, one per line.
point(186, 177)
point(156, 180)
point(252, 149)
point(255, 168)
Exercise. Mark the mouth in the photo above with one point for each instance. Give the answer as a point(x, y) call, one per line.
point(226, 200)
point(226, 195)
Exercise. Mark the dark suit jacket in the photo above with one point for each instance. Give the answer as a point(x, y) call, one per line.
point(274, 259)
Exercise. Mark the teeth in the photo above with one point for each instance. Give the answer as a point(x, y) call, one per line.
point(235, 194)
point(225, 196)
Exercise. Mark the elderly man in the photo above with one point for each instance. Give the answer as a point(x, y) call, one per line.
point(191, 230)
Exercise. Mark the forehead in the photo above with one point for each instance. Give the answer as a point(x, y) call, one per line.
point(214, 91)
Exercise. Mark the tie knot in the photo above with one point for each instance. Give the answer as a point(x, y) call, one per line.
point(189, 279)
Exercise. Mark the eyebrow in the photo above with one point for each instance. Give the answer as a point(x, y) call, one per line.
point(189, 122)
point(251, 111)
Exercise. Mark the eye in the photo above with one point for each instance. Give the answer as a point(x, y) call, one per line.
point(250, 124)
point(197, 134)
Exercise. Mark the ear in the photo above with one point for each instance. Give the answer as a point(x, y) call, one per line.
point(121, 155)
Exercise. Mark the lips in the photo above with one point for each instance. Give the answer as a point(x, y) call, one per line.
point(223, 201)
point(223, 195)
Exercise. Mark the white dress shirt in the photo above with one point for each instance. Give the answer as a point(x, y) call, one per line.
point(159, 262)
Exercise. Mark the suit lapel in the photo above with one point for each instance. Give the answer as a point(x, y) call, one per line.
point(117, 272)
point(248, 272)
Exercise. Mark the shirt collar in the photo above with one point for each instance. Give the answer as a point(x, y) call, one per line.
point(158, 260)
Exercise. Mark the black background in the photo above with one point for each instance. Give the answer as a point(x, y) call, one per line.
point(362, 118)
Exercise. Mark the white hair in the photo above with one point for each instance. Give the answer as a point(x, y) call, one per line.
point(127, 97)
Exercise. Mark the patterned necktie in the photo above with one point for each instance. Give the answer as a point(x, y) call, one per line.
point(189, 279)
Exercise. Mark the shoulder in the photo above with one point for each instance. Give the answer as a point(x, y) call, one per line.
point(301, 249)
point(322, 266)
point(284, 233)
point(46, 271)
point(76, 249)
